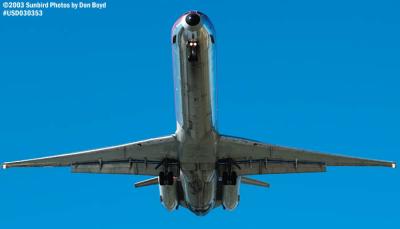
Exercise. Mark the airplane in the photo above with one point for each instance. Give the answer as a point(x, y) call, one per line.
point(197, 167)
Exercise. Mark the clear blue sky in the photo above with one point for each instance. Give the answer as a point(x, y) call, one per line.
point(321, 76)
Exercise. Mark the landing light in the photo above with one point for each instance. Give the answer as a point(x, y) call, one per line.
point(4, 166)
point(394, 165)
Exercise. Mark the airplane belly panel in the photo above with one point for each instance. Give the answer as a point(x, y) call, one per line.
point(193, 62)
point(199, 187)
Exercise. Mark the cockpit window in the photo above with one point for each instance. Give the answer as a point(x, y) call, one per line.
point(174, 39)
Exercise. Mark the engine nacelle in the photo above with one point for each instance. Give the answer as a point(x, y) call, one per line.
point(230, 195)
point(168, 196)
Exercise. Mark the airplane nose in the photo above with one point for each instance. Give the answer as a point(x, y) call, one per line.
point(192, 19)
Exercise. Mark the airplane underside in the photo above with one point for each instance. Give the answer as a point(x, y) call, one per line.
point(197, 167)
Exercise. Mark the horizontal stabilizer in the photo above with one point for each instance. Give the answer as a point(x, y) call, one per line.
point(148, 182)
point(250, 181)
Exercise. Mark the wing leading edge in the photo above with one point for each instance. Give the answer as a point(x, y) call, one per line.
point(131, 158)
point(260, 158)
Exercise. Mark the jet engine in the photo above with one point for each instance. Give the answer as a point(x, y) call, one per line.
point(168, 195)
point(230, 193)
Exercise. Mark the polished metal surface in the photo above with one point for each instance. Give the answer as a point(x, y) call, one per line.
point(196, 167)
point(194, 80)
point(194, 74)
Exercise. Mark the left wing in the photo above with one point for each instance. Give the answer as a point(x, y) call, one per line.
point(142, 157)
point(251, 157)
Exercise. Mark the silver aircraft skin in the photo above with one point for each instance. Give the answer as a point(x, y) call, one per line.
point(197, 167)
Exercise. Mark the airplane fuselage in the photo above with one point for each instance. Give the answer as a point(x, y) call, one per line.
point(193, 41)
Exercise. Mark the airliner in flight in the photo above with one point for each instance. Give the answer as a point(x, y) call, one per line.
point(197, 167)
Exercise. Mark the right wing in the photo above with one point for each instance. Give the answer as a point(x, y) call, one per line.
point(253, 157)
point(142, 157)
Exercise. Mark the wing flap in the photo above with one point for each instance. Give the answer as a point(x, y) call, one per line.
point(134, 167)
point(259, 167)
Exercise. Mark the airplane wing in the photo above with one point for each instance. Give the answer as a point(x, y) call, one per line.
point(251, 157)
point(142, 157)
